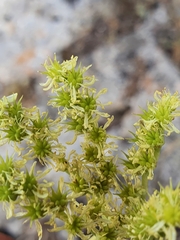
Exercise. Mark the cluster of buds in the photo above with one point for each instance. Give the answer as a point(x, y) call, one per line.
point(116, 204)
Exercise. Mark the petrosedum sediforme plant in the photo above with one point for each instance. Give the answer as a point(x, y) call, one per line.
point(116, 203)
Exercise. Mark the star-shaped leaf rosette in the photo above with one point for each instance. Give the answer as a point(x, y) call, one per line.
point(116, 204)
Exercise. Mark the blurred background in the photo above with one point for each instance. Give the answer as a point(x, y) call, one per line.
point(134, 49)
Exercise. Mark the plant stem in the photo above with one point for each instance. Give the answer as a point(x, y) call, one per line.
point(145, 184)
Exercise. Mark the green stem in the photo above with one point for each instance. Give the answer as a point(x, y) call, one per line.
point(145, 183)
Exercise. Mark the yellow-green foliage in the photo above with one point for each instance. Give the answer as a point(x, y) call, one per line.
point(113, 209)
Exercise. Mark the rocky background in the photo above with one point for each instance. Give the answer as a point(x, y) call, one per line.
point(134, 49)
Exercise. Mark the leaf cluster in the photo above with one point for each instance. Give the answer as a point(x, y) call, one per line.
point(116, 203)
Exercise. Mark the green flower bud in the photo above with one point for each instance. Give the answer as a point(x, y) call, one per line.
point(76, 125)
point(91, 153)
point(34, 211)
point(62, 99)
point(87, 103)
point(15, 132)
point(98, 135)
point(40, 123)
point(108, 169)
point(42, 148)
point(6, 193)
point(6, 167)
point(58, 199)
point(75, 225)
point(79, 185)
point(74, 78)
point(30, 184)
